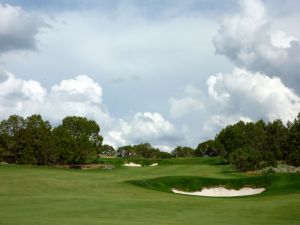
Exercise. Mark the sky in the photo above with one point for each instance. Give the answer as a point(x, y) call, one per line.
point(165, 72)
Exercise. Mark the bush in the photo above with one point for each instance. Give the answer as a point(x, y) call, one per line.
point(245, 159)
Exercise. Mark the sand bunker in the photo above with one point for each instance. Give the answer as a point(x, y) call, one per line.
point(132, 164)
point(222, 192)
point(154, 164)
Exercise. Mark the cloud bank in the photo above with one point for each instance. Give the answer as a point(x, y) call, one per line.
point(18, 28)
point(249, 40)
point(145, 127)
point(190, 102)
point(254, 95)
point(265, 83)
point(81, 96)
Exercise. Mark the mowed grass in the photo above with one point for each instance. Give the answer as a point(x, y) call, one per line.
point(32, 195)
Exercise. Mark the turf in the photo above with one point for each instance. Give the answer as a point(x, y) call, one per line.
point(32, 195)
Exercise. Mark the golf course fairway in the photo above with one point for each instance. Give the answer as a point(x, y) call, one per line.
point(32, 195)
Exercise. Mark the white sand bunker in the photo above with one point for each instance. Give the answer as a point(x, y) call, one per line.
point(154, 164)
point(132, 164)
point(222, 192)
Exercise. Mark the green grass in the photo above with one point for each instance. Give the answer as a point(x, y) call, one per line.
point(275, 184)
point(32, 195)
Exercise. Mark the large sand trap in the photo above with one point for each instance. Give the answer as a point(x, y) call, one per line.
point(132, 164)
point(154, 164)
point(222, 192)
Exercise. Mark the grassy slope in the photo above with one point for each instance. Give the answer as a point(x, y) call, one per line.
point(40, 196)
point(274, 184)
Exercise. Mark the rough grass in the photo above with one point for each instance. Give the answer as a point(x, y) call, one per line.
point(280, 168)
point(32, 195)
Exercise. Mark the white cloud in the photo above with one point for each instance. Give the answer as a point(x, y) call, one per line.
point(144, 127)
point(82, 96)
point(218, 122)
point(249, 40)
point(165, 148)
point(189, 103)
point(280, 39)
point(79, 96)
point(19, 96)
point(18, 28)
point(82, 84)
point(254, 95)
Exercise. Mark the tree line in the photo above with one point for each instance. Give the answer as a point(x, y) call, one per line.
point(32, 140)
point(77, 140)
point(254, 145)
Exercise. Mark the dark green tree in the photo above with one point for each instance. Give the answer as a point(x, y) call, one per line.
point(126, 152)
point(277, 139)
point(11, 132)
point(293, 157)
point(77, 140)
point(180, 151)
point(37, 145)
point(106, 150)
point(245, 159)
point(209, 148)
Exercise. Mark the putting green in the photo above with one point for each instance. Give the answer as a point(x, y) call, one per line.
point(32, 195)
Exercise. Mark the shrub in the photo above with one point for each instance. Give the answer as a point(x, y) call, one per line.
point(245, 158)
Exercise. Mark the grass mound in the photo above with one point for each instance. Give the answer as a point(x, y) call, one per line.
point(274, 184)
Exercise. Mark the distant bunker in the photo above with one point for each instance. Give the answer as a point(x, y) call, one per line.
point(222, 192)
point(138, 165)
point(132, 164)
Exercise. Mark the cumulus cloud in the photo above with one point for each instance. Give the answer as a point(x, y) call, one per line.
point(218, 122)
point(82, 96)
point(144, 127)
point(253, 95)
point(190, 102)
point(79, 96)
point(19, 96)
point(249, 40)
point(18, 28)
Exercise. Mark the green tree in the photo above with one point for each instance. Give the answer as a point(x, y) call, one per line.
point(11, 131)
point(125, 152)
point(277, 139)
point(36, 141)
point(245, 159)
point(81, 127)
point(106, 150)
point(145, 150)
point(180, 151)
point(209, 148)
point(233, 137)
point(77, 140)
point(293, 157)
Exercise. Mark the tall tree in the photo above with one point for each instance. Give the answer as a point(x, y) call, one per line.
point(180, 151)
point(277, 139)
point(80, 139)
point(209, 148)
point(37, 141)
point(294, 142)
point(11, 131)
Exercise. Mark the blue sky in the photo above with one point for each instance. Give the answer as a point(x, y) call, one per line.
point(165, 72)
